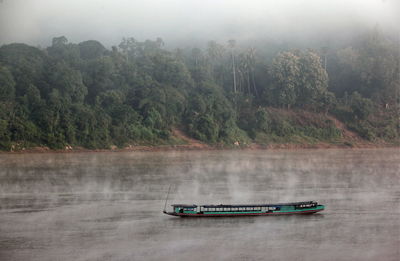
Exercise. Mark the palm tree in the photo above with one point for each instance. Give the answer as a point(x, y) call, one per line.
point(197, 55)
point(231, 44)
point(243, 70)
point(215, 54)
point(251, 56)
point(324, 52)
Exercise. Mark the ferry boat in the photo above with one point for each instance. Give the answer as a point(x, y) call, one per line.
point(306, 207)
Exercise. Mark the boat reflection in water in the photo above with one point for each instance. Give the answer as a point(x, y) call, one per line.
point(306, 207)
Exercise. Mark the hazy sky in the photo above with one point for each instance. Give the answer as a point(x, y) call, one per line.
point(37, 21)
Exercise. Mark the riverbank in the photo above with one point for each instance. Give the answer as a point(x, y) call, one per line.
point(349, 140)
point(205, 147)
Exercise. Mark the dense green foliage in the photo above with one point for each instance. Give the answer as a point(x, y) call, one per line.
point(86, 95)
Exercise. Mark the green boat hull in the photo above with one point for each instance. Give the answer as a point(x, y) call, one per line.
point(287, 210)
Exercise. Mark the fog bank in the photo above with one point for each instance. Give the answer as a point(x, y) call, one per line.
point(37, 21)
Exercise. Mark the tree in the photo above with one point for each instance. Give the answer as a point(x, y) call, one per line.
point(362, 107)
point(27, 65)
point(232, 44)
point(324, 52)
point(200, 71)
point(285, 73)
point(128, 47)
point(369, 66)
point(251, 60)
point(99, 76)
point(7, 85)
point(68, 81)
point(298, 79)
point(61, 40)
point(91, 50)
point(313, 79)
point(62, 50)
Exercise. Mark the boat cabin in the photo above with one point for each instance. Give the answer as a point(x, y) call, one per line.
point(182, 208)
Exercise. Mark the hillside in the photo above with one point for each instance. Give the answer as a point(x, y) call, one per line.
point(137, 94)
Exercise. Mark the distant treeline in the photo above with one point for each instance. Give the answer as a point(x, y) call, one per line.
point(137, 92)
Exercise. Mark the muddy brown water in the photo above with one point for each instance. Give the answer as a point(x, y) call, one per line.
point(108, 206)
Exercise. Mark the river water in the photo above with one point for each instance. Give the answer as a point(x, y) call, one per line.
point(108, 206)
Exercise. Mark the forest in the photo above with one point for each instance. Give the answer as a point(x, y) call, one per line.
point(224, 94)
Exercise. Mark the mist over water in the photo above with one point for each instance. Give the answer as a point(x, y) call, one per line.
point(108, 206)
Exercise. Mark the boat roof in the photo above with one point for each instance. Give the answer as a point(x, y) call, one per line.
point(244, 205)
point(184, 205)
